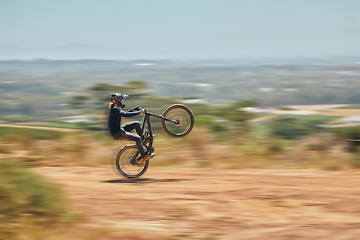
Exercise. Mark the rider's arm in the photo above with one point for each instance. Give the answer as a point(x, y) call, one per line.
point(128, 113)
point(134, 109)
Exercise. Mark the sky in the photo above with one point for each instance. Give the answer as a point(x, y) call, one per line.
point(191, 29)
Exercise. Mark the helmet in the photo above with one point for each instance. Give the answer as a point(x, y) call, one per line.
point(118, 98)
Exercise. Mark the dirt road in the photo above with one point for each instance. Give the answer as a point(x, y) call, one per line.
point(40, 128)
point(231, 204)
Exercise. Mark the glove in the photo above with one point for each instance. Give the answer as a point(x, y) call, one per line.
point(135, 109)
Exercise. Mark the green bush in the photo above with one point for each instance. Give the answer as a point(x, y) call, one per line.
point(293, 127)
point(27, 201)
point(352, 133)
point(234, 113)
point(288, 127)
point(216, 126)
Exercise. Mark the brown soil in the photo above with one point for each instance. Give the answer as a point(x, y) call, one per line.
point(342, 112)
point(317, 107)
point(329, 110)
point(40, 128)
point(226, 204)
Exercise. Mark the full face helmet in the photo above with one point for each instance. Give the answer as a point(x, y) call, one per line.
point(118, 98)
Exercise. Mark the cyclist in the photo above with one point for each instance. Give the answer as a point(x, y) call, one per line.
point(123, 132)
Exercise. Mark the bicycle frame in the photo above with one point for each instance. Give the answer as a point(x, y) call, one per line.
point(147, 121)
point(148, 138)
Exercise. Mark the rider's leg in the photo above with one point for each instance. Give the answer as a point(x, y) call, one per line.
point(131, 137)
point(136, 125)
point(133, 125)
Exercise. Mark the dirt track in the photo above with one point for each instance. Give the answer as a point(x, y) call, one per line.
point(40, 128)
point(244, 204)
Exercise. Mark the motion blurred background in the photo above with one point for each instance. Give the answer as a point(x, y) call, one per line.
point(272, 84)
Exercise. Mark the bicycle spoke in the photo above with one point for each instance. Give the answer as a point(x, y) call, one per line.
point(126, 162)
point(179, 121)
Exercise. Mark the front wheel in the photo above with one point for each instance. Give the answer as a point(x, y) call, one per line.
point(179, 120)
point(126, 164)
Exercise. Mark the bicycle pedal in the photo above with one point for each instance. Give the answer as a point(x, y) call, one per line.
point(148, 157)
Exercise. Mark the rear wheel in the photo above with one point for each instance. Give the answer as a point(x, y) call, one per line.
point(126, 162)
point(181, 120)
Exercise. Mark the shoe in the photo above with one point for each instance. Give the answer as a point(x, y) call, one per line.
point(148, 156)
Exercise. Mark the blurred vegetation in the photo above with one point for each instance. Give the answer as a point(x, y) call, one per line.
point(236, 115)
point(29, 204)
point(293, 127)
point(54, 88)
point(352, 133)
point(77, 101)
point(26, 136)
point(224, 133)
point(351, 106)
point(206, 146)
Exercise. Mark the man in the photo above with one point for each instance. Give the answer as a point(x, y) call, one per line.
point(123, 132)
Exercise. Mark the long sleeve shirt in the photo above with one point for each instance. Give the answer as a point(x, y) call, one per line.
point(114, 121)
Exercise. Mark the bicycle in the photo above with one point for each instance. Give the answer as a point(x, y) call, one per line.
point(176, 121)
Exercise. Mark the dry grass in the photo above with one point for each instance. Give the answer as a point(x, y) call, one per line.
point(200, 149)
point(30, 205)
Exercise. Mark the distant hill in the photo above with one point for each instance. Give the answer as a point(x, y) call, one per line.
point(78, 51)
point(65, 52)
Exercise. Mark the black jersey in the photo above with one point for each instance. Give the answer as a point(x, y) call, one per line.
point(114, 121)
